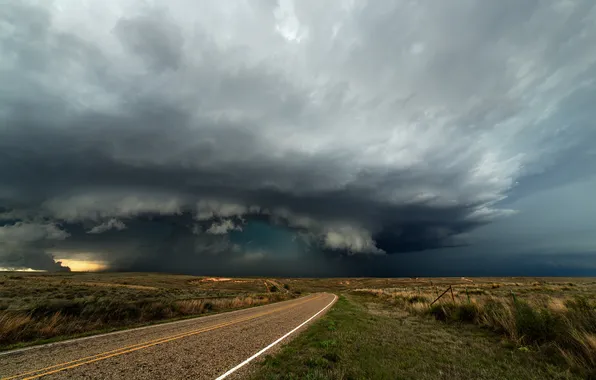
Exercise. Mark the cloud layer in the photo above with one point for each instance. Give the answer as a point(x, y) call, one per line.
point(364, 127)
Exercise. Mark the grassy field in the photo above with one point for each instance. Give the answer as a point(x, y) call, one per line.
point(488, 328)
point(37, 307)
point(361, 338)
point(481, 328)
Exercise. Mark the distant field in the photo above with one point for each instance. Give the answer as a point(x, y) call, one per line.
point(35, 307)
point(523, 284)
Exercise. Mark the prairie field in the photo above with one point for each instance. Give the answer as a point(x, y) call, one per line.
point(37, 307)
point(481, 328)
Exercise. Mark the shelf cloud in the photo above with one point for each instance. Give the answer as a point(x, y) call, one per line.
point(153, 133)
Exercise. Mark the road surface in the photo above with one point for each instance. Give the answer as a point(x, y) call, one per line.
point(210, 347)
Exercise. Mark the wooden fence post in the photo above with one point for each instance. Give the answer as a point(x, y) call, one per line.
point(442, 294)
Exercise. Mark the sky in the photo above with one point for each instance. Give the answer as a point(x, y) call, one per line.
point(299, 138)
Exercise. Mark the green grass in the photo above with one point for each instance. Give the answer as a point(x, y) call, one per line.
point(362, 338)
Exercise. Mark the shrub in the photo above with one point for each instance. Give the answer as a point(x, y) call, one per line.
point(442, 312)
point(538, 326)
point(467, 312)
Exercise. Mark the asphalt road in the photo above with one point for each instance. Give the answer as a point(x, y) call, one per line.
point(202, 348)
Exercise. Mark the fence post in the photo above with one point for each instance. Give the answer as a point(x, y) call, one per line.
point(439, 297)
point(468, 295)
point(452, 297)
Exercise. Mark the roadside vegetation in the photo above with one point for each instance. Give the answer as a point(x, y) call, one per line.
point(481, 328)
point(36, 307)
point(363, 337)
point(556, 320)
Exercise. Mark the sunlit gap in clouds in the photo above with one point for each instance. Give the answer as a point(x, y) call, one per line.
point(10, 269)
point(84, 265)
point(80, 262)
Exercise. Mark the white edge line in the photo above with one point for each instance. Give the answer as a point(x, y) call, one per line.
point(125, 330)
point(274, 343)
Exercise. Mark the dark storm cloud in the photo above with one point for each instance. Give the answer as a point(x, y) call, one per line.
point(26, 245)
point(155, 39)
point(153, 132)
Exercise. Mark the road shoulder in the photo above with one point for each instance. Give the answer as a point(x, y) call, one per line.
point(360, 340)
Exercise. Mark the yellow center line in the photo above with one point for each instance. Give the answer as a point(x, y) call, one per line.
point(159, 340)
point(139, 346)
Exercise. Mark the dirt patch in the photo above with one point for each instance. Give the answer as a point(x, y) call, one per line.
point(215, 279)
point(115, 285)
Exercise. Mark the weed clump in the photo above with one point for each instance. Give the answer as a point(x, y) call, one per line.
point(466, 312)
point(417, 298)
point(536, 325)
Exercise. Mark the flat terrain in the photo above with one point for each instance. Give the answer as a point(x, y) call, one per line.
point(42, 307)
point(201, 348)
point(407, 328)
point(482, 328)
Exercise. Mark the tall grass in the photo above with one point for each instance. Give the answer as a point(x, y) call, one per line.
point(70, 317)
point(563, 328)
point(36, 306)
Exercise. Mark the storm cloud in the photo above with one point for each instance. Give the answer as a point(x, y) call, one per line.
point(152, 135)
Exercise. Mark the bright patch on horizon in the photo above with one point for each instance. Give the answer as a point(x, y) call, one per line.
point(84, 265)
point(8, 269)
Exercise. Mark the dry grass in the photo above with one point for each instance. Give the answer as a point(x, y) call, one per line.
point(557, 305)
point(35, 307)
point(70, 319)
point(111, 285)
point(362, 338)
point(557, 319)
point(554, 316)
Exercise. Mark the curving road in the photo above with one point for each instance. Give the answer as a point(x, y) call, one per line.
point(211, 347)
